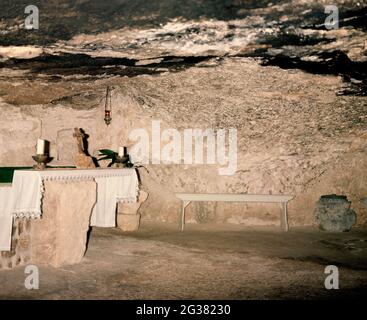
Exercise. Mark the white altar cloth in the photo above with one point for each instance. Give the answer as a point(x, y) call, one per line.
point(5, 218)
point(25, 198)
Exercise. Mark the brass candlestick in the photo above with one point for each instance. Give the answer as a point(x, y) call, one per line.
point(42, 160)
point(121, 162)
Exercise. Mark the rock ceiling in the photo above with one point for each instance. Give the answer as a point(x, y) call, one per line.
point(83, 41)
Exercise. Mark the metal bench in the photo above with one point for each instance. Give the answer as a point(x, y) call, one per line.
point(268, 198)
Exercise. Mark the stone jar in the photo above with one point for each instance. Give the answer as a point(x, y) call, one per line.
point(128, 218)
point(333, 213)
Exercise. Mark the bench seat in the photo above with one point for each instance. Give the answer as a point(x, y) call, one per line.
point(186, 198)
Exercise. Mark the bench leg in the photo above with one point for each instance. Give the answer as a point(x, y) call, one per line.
point(284, 218)
point(182, 220)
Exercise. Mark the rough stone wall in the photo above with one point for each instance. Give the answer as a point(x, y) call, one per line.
point(20, 252)
point(295, 136)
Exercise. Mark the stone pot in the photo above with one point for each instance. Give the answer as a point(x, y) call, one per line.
point(333, 213)
point(128, 222)
point(128, 218)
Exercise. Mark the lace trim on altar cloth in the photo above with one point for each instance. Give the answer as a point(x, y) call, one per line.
point(27, 214)
point(50, 176)
point(126, 200)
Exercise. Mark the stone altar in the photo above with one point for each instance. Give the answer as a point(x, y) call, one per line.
point(50, 226)
point(60, 237)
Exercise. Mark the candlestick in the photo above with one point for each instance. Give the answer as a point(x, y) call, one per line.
point(42, 160)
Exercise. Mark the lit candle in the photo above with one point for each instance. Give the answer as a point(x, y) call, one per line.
point(121, 151)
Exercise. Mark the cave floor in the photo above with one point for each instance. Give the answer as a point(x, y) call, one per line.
point(206, 261)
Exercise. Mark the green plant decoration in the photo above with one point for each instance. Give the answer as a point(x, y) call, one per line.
point(106, 154)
